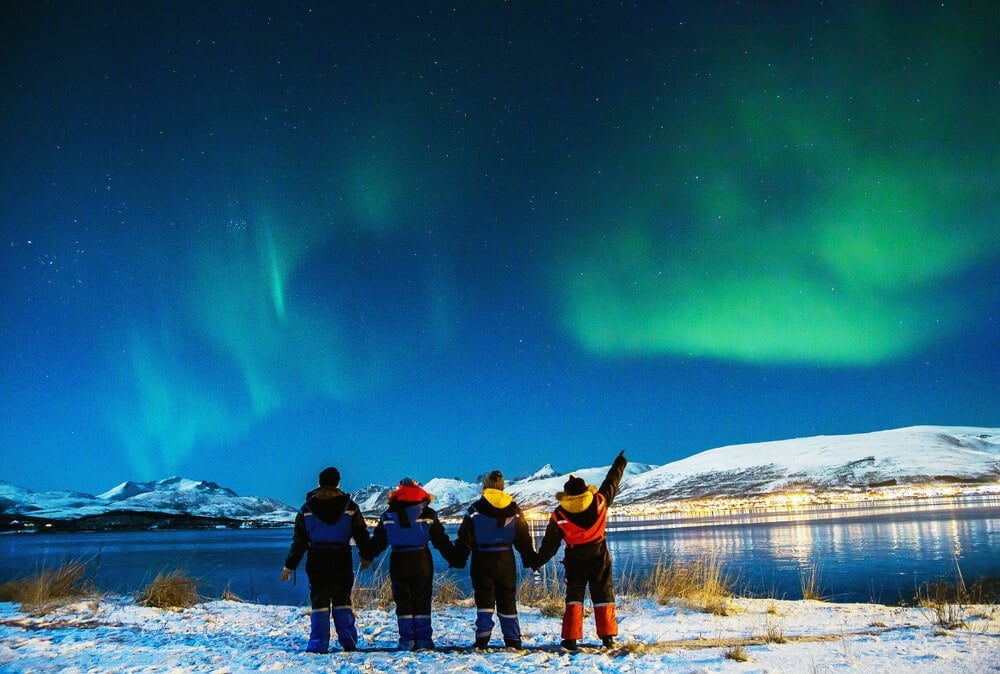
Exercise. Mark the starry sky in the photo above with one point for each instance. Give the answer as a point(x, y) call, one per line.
point(242, 241)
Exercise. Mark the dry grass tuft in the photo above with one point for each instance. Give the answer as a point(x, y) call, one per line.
point(809, 578)
point(736, 653)
point(543, 591)
point(773, 632)
point(700, 585)
point(49, 588)
point(945, 603)
point(376, 595)
point(170, 590)
point(229, 595)
point(448, 592)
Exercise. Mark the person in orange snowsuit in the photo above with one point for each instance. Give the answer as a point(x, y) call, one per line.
point(580, 520)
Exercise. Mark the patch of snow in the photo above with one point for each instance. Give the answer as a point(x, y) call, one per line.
point(114, 634)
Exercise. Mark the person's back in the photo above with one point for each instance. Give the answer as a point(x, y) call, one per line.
point(324, 527)
point(580, 520)
point(407, 526)
point(490, 530)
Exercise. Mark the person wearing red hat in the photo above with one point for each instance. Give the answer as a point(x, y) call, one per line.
point(324, 527)
point(408, 525)
point(580, 520)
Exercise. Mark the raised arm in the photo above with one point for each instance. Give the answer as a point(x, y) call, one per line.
point(609, 488)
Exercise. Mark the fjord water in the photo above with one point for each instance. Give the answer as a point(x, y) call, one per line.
point(871, 553)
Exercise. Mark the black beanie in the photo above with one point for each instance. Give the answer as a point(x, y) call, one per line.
point(494, 480)
point(330, 477)
point(574, 486)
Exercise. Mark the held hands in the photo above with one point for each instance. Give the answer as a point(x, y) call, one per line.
point(286, 573)
point(621, 456)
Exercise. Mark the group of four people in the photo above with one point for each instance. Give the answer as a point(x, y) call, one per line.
point(491, 530)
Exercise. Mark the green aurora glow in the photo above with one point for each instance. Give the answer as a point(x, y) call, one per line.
point(809, 227)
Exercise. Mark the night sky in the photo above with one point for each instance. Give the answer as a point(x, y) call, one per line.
point(242, 241)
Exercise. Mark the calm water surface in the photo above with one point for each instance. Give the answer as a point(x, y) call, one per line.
point(863, 554)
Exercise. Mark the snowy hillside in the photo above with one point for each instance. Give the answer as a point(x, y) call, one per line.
point(912, 455)
point(177, 496)
point(919, 454)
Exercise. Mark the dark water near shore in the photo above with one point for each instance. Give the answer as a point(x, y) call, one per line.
point(862, 553)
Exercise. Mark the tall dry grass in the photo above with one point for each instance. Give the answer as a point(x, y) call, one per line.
point(447, 591)
point(49, 588)
point(173, 589)
point(374, 595)
point(543, 591)
point(700, 585)
point(810, 579)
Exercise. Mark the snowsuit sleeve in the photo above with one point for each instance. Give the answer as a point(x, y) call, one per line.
point(379, 542)
point(609, 488)
point(551, 541)
point(359, 532)
point(439, 539)
point(523, 543)
point(465, 541)
point(300, 543)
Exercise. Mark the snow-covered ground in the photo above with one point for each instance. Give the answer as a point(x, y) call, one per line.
point(115, 635)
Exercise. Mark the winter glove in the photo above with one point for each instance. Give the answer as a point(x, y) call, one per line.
point(621, 457)
point(365, 564)
point(286, 573)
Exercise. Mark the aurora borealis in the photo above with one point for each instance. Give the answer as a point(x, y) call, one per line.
point(244, 241)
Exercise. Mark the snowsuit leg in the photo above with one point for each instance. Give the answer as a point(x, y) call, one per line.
point(506, 596)
point(331, 580)
point(484, 591)
point(412, 577)
point(319, 631)
point(572, 626)
point(602, 594)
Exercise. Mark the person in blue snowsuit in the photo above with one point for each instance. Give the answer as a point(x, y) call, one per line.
point(324, 527)
point(408, 525)
point(491, 530)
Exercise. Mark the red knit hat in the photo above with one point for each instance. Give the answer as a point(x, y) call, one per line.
point(410, 492)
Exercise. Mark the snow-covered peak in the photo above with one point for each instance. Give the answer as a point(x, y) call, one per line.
point(175, 495)
point(542, 473)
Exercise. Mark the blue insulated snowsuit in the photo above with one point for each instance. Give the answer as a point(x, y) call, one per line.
point(407, 527)
point(491, 529)
point(324, 527)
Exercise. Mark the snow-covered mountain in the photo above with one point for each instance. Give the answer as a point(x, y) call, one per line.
point(915, 455)
point(173, 496)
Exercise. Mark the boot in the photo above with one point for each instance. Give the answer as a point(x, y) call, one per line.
point(569, 644)
point(511, 628)
point(482, 643)
point(347, 631)
point(422, 632)
point(608, 642)
point(512, 643)
point(407, 640)
point(319, 631)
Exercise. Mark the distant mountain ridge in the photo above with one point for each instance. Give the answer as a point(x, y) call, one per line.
point(914, 455)
point(174, 501)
